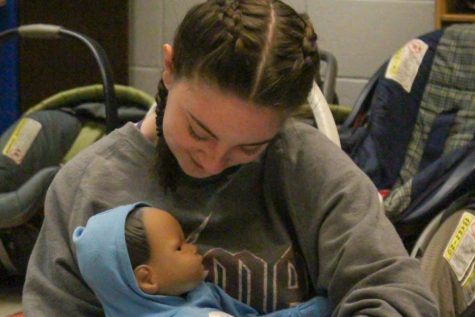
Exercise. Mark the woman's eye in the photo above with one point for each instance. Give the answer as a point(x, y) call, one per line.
point(250, 150)
point(195, 136)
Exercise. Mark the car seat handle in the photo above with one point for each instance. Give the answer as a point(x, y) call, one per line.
point(322, 114)
point(40, 31)
point(49, 31)
point(331, 70)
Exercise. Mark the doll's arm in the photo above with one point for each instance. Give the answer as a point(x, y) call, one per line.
point(315, 307)
point(217, 298)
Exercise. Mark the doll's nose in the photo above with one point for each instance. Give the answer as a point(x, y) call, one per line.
point(191, 248)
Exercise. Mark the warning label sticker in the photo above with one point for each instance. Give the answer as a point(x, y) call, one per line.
point(21, 139)
point(468, 288)
point(404, 65)
point(460, 254)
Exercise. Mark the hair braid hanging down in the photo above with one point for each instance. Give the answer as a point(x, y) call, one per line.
point(167, 165)
point(161, 100)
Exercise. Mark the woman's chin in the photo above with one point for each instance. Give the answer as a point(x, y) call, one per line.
point(194, 170)
point(195, 173)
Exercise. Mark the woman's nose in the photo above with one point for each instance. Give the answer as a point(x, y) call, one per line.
point(213, 166)
point(213, 159)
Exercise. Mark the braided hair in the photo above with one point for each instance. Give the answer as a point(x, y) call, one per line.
point(259, 50)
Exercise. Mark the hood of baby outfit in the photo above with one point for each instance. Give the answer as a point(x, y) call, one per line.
point(104, 263)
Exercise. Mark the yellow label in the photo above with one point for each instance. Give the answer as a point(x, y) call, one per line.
point(21, 139)
point(404, 64)
point(458, 235)
point(7, 149)
point(394, 64)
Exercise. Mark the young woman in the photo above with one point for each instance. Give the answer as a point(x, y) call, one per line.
point(279, 213)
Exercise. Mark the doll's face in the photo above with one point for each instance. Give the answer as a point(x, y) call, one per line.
point(175, 266)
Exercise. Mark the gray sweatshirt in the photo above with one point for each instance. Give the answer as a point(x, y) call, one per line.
point(302, 221)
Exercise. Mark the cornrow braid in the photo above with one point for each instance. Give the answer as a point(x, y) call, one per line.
point(255, 49)
point(231, 17)
point(309, 44)
point(265, 50)
point(243, 31)
point(229, 43)
point(293, 60)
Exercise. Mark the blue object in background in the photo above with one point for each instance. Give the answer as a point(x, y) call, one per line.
point(9, 84)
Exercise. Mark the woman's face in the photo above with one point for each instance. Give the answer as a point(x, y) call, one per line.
point(208, 130)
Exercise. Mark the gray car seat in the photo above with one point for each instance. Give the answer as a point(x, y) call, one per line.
point(33, 150)
point(49, 134)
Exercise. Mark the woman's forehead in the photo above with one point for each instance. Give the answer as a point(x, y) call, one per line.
point(226, 114)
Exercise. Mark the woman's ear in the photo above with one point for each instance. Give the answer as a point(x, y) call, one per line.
point(167, 74)
point(146, 279)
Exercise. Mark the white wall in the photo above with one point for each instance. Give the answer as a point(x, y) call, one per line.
point(362, 34)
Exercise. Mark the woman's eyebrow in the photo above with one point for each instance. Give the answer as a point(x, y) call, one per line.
point(203, 126)
point(259, 143)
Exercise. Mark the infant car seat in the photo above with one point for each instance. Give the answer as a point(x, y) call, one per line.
point(412, 132)
point(446, 250)
point(33, 149)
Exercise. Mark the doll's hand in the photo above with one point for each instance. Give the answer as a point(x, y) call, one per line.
point(316, 307)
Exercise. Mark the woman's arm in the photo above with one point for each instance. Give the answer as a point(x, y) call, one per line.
point(53, 285)
point(351, 249)
point(98, 178)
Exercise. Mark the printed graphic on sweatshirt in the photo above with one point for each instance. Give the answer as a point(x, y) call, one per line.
point(253, 281)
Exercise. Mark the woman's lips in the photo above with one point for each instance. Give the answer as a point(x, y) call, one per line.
point(195, 162)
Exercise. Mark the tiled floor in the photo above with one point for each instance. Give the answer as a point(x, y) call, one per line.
point(10, 296)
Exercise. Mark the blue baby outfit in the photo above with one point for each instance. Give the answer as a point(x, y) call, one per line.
point(104, 263)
